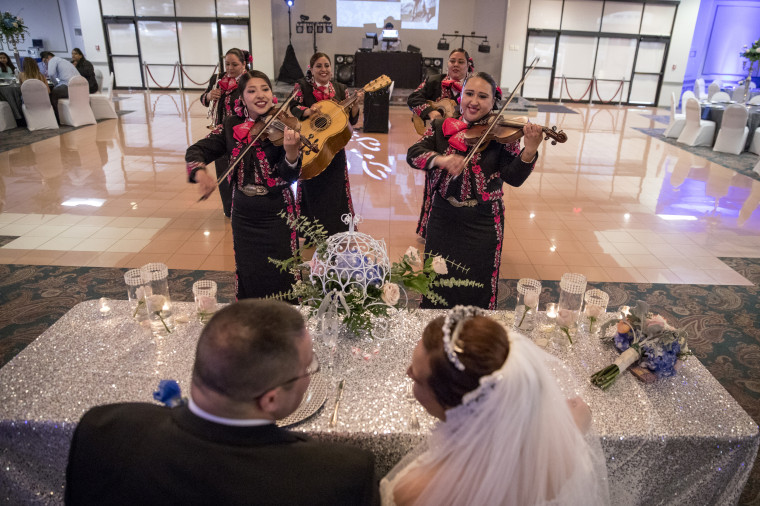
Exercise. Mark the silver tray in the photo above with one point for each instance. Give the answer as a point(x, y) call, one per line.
point(313, 399)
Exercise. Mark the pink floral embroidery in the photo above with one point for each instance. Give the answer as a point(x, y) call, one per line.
point(235, 152)
point(260, 155)
point(421, 162)
point(270, 182)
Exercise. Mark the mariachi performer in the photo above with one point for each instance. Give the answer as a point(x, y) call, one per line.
point(261, 189)
point(327, 196)
point(434, 89)
point(222, 97)
point(466, 223)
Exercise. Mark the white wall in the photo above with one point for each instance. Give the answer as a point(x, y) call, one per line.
point(94, 46)
point(46, 20)
point(261, 23)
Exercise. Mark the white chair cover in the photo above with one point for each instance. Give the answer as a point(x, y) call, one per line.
point(755, 145)
point(686, 96)
point(699, 89)
point(99, 79)
point(713, 89)
point(733, 130)
point(37, 109)
point(76, 110)
point(738, 94)
point(720, 98)
point(7, 121)
point(755, 100)
point(697, 131)
point(756, 168)
point(677, 121)
point(102, 106)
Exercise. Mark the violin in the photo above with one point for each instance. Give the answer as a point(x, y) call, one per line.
point(275, 130)
point(507, 130)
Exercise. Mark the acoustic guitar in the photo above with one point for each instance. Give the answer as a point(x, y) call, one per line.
point(449, 108)
point(329, 130)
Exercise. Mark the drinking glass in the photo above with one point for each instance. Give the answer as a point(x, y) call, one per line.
point(159, 304)
point(204, 292)
point(136, 292)
point(528, 292)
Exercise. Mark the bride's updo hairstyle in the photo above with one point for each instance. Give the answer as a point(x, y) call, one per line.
point(482, 347)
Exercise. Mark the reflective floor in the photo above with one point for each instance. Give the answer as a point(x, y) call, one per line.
point(612, 203)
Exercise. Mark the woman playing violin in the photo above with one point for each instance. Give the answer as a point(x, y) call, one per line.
point(261, 189)
point(467, 214)
point(434, 89)
point(225, 93)
point(327, 196)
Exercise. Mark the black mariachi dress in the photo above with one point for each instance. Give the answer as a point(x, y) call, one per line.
point(327, 196)
point(229, 103)
point(261, 191)
point(466, 222)
point(432, 89)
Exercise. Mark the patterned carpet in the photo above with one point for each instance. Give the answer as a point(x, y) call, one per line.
point(723, 322)
point(742, 163)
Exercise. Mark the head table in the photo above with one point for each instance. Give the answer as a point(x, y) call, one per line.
point(681, 440)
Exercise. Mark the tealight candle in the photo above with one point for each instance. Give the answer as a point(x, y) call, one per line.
point(551, 310)
point(105, 306)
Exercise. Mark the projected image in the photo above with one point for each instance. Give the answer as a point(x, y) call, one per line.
point(414, 14)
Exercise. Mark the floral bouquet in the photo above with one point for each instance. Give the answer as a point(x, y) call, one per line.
point(12, 29)
point(349, 274)
point(644, 338)
point(752, 55)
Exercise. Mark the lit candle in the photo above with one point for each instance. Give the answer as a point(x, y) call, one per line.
point(551, 310)
point(105, 306)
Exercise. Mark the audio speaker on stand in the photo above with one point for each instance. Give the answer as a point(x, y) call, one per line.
point(344, 69)
point(376, 106)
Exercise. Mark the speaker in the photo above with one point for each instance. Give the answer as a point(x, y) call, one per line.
point(344, 69)
point(431, 66)
point(376, 107)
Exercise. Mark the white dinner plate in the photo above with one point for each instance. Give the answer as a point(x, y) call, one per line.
point(313, 399)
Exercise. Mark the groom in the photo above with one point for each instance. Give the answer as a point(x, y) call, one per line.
point(252, 366)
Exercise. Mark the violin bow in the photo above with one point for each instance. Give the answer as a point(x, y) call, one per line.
point(240, 157)
point(493, 123)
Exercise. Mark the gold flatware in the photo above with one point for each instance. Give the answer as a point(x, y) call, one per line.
point(334, 417)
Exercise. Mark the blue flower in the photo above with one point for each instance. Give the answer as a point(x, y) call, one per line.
point(622, 341)
point(169, 393)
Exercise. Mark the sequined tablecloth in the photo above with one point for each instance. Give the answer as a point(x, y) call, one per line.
point(682, 440)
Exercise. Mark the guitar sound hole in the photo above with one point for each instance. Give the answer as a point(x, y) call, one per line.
point(320, 122)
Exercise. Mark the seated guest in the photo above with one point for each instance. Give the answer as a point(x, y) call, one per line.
point(85, 68)
point(253, 365)
point(507, 434)
point(7, 69)
point(32, 71)
point(59, 71)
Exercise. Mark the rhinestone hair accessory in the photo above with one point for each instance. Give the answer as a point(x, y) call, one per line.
point(452, 326)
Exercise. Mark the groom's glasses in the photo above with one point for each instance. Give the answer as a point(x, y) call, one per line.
point(313, 368)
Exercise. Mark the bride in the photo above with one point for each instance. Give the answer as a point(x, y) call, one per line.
point(507, 435)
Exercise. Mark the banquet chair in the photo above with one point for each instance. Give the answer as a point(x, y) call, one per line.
point(677, 121)
point(696, 131)
point(738, 94)
point(720, 98)
point(76, 110)
point(7, 121)
point(755, 100)
point(686, 95)
point(755, 145)
point(101, 103)
point(699, 89)
point(733, 130)
point(713, 89)
point(36, 108)
point(756, 168)
point(99, 80)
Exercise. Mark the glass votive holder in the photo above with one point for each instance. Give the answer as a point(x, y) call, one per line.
point(594, 310)
point(104, 306)
point(136, 292)
point(159, 304)
point(572, 286)
point(528, 292)
point(204, 292)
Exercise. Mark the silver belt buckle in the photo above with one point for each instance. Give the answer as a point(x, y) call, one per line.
point(467, 203)
point(253, 190)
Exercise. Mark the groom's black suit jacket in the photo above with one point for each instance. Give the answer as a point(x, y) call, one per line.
point(141, 454)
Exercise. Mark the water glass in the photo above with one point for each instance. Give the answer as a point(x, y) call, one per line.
point(159, 304)
point(204, 292)
point(594, 309)
point(528, 292)
point(571, 289)
point(136, 292)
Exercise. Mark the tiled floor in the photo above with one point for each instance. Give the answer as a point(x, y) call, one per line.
point(612, 203)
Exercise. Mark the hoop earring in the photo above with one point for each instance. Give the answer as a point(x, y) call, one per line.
point(245, 111)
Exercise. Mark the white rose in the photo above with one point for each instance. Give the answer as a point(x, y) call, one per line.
point(156, 303)
point(413, 257)
point(439, 265)
point(531, 300)
point(565, 317)
point(593, 311)
point(655, 324)
point(391, 293)
point(206, 303)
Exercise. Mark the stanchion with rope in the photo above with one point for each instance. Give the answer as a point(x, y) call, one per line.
point(620, 100)
point(591, 91)
point(619, 90)
point(174, 73)
point(145, 77)
point(182, 68)
point(561, 83)
point(179, 77)
point(584, 93)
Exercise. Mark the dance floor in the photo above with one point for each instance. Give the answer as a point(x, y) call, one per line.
point(612, 202)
